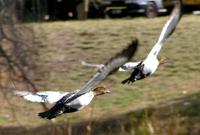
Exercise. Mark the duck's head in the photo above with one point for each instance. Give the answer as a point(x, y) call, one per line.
point(100, 91)
point(162, 60)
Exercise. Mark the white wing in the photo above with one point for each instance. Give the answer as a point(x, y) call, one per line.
point(98, 66)
point(129, 66)
point(50, 97)
point(169, 27)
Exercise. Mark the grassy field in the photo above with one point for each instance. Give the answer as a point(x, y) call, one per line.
point(62, 45)
point(178, 117)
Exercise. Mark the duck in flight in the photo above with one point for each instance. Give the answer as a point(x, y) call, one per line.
point(148, 66)
point(67, 102)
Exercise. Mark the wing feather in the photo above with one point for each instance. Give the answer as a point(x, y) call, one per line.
point(50, 97)
point(171, 24)
point(169, 27)
point(110, 67)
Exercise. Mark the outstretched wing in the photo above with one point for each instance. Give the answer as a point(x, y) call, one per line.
point(50, 97)
point(110, 67)
point(171, 24)
point(169, 27)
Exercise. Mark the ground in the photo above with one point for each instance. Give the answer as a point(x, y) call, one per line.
point(62, 45)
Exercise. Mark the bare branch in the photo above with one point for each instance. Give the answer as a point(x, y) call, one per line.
point(14, 47)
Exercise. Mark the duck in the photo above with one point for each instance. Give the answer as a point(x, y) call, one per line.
point(68, 102)
point(144, 68)
point(52, 97)
point(148, 66)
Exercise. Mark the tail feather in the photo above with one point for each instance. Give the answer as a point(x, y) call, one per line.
point(47, 115)
point(53, 112)
point(50, 114)
point(128, 81)
point(125, 81)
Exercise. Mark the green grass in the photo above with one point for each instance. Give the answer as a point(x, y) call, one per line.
point(179, 116)
point(63, 44)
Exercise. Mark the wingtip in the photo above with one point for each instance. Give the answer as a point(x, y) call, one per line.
point(128, 52)
point(82, 62)
point(128, 81)
point(20, 93)
point(133, 46)
point(135, 41)
point(178, 7)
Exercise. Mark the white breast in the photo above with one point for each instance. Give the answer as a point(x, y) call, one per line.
point(82, 101)
point(151, 65)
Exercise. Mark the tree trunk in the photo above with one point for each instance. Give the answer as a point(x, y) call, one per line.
point(82, 10)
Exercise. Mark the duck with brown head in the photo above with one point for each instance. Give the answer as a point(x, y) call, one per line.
point(77, 100)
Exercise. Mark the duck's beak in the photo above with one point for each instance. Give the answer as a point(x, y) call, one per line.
point(108, 92)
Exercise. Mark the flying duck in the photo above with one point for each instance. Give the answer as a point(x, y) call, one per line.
point(67, 102)
point(52, 97)
point(148, 66)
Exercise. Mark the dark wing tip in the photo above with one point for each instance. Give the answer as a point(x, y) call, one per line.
point(132, 48)
point(125, 81)
point(128, 52)
point(178, 7)
point(176, 15)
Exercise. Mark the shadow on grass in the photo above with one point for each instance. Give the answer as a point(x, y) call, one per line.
point(180, 117)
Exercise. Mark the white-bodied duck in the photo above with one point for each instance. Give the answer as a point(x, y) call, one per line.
point(148, 66)
point(67, 102)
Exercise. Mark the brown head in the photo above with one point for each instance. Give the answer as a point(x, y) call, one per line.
point(100, 91)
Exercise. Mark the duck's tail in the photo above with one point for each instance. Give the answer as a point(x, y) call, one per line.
point(47, 115)
point(128, 81)
point(52, 113)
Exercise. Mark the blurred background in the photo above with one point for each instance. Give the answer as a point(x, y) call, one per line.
point(82, 9)
point(42, 43)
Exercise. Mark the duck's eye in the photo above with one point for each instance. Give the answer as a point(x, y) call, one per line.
point(125, 67)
